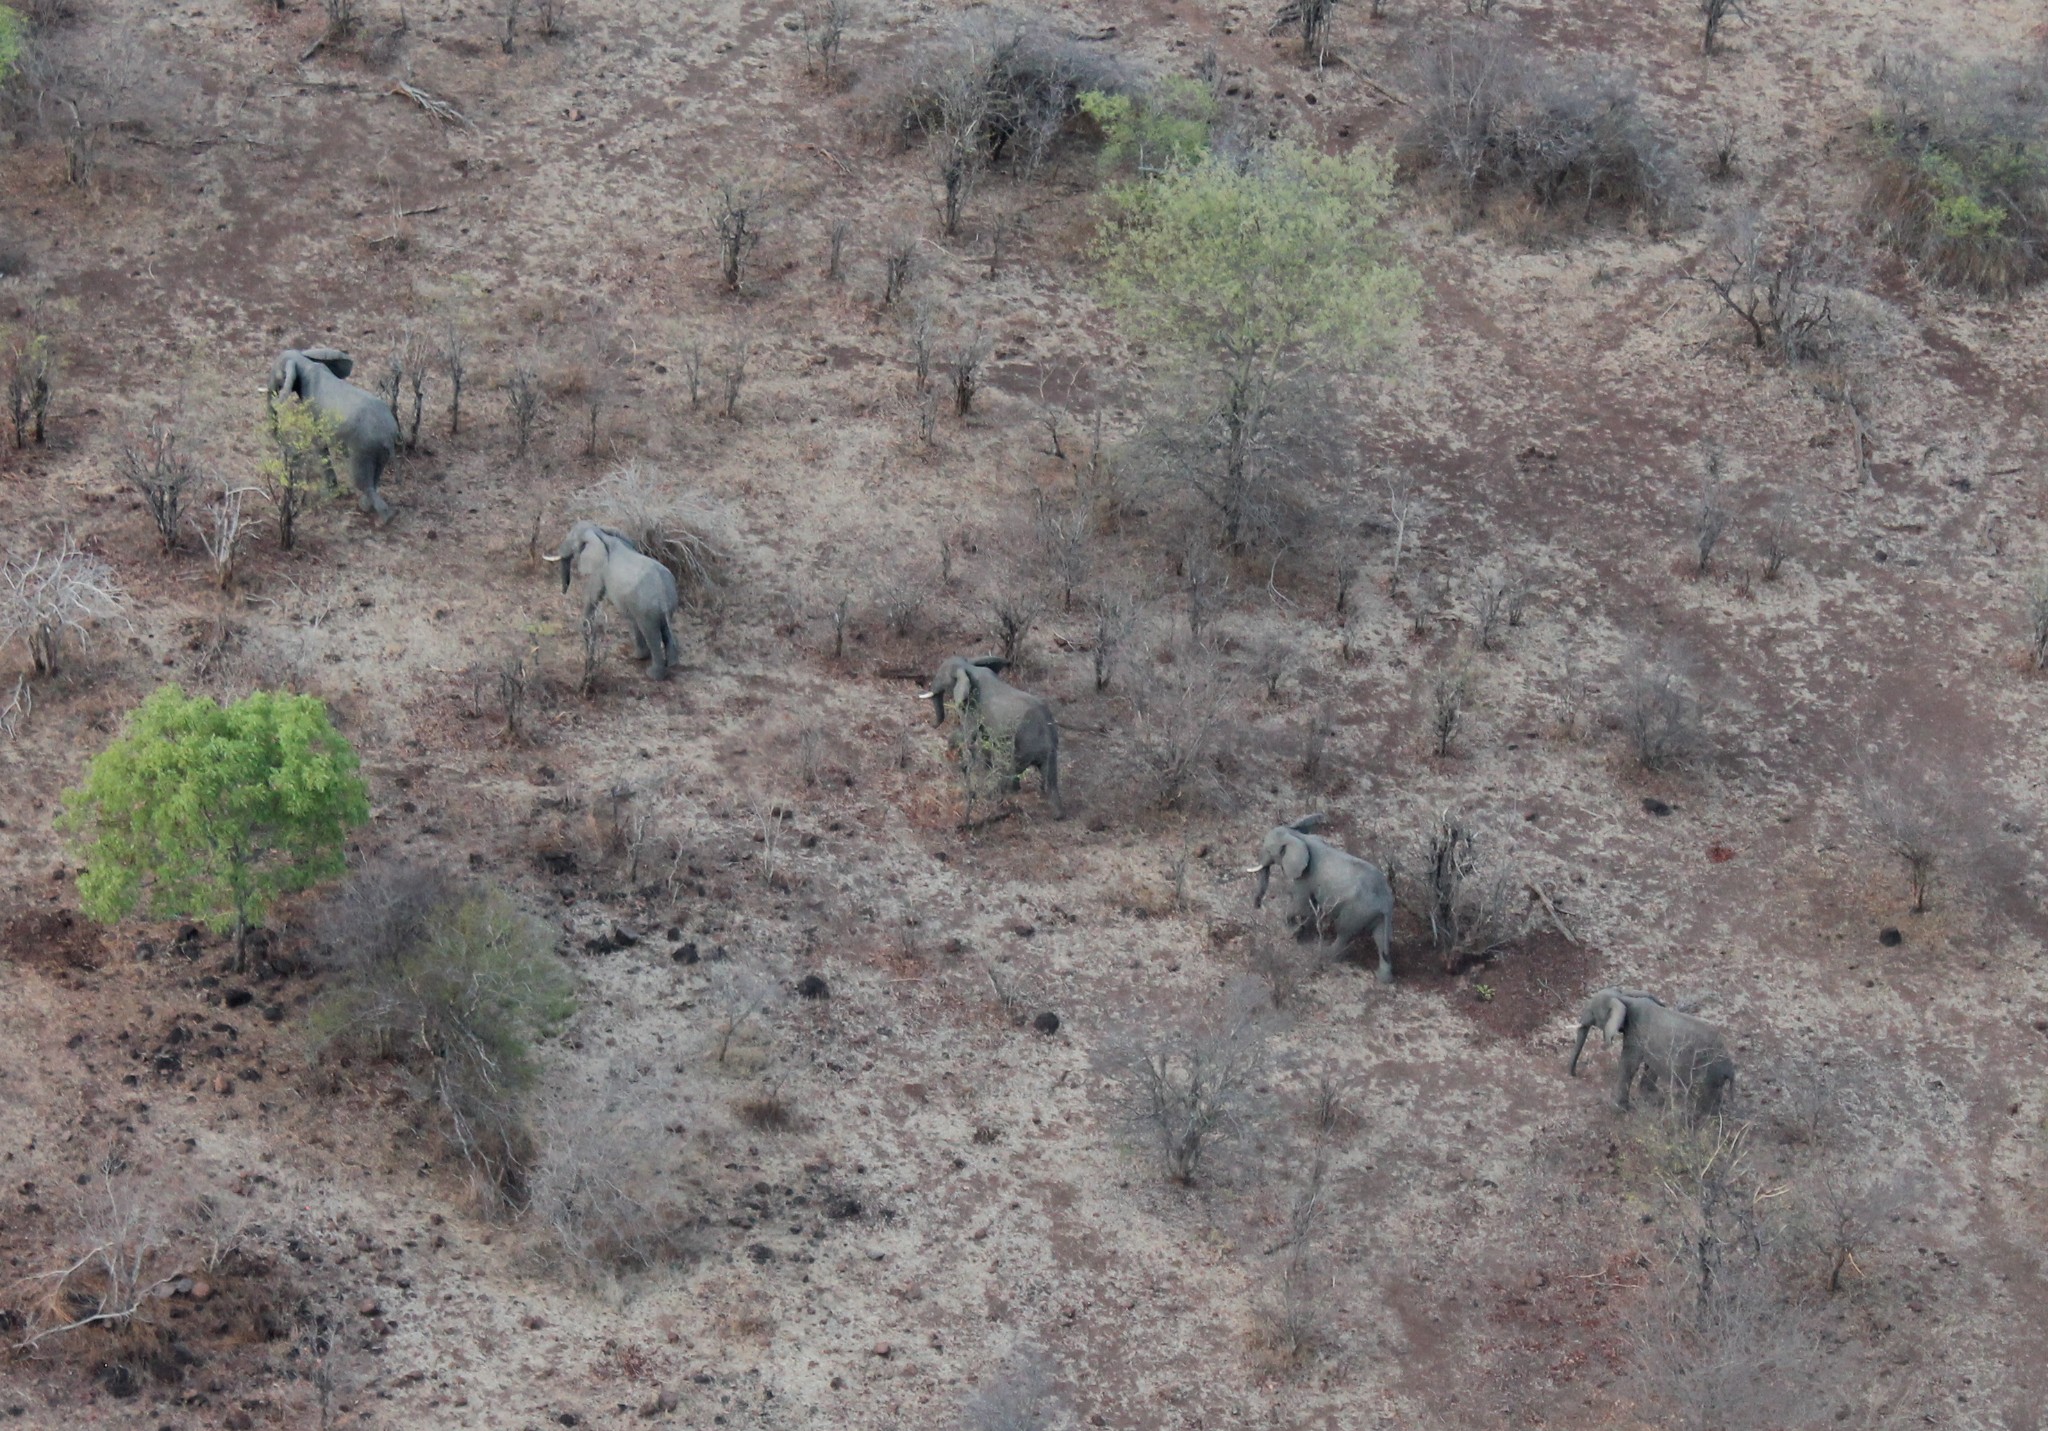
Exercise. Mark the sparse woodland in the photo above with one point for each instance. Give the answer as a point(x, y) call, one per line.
point(1591, 456)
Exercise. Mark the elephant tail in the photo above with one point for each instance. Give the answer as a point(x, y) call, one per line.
point(668, 637)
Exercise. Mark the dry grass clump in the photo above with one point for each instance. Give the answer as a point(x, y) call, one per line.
point(1961, 186)
point(680, 528)
point(1573, 143)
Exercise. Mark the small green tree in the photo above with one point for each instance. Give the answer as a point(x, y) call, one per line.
point(299, 463)
point(1255, 271)
point(210, 813)
point(13, 41)
point(1167, 125)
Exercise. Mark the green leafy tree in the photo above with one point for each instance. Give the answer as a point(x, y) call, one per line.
point(1167, 125)
point(1256, 271)
point(13, 41)
point(210, 813)
point(300, 464)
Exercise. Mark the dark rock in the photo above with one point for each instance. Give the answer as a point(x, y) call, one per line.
point(556, 862)
point(761, 1252)
point(685, 953)
point(611, 941)
point(1047, 1022)
point(813, 986)
point(1890, 937)
point(1655, 806)
point(236, 998)
point(842, 1206)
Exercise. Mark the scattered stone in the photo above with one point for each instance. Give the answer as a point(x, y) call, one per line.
point(882, 1349)
point(812, 986)
point(685, 953)
point(660, 1404)
point(1890, 937)
point(223, 1084)
point(237, 998)
point(536, 1323)
point(1655, 806)
point(200, 1291)
point(368, 1307)
point(569, 1418)
point(616, 938)
point(239, 1421)
point(761, 1252)
point(841, 1206)
point(1047, 1023)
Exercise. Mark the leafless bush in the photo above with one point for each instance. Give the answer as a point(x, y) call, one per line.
point(1710, 519)
point(739, 211)
point(221, 527)
point(522, 403)
point(1178, 713)
point(921, 347)
point(53, 591)
point(1012, 614)
point(835, 249)
point(1715, 13)
point(547, 16)
point(119, 1262)
point(1406, 510)
point(342, 20)
point(1450, 695)
point(1502, 598)
point(16, 709)
point(1315, 747)
point(824, 30)
point(1962, 187)
point(1915, 821)
point(677, 526)
point(1465, 897)
point(1783, 286)
point(599, 1188)
point(592, 634)
point(1572, 142)
point(1204, 578)
point(454, 355)
point(1661, 715)
point(416, 361)
point(509, 28)
point(899, 266)
point(515, 681)
point(901, 604)
point(452, 982)
point(737, 995)
point(1774, 537)
point(161, 477)
point(1273, 659)
point(1192, 1088)
point(966, 368)
point(1066, 539)
point(28, 371)
point(1312, 18)
point(1116, 621)
point(734, 376)
point(2036, 606)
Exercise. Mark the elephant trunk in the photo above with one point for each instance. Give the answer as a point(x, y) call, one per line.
point(938, 700)
point(1265, 873)
point(1580, 1047)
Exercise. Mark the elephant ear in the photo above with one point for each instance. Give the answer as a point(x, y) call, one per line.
point(963, 687)
point(990, 663)
point(1309, 824)
point(1617, 1018)
point(333, 359)
point(1294, 859)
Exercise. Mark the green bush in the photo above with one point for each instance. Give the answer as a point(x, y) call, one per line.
point(207, 812)
point(1962, 172)
point(455, 983)
point(1164, 125)
point(13, 41)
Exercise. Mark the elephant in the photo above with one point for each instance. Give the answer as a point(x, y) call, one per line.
point(1330, 889)
point(1664, 1044)
point(364, 429)
point(993, 709)
point(639, 588)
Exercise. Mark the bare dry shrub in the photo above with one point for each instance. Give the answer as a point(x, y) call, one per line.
point(1713, 15)
point(767, 1112)
point(824, 32)
point(738, 995)
point(115, 1264)
point(158, 474)
point(1661, 714)
point(1115, 622)
point(452, 982)
point(1573, 142)
point(2036, 607)
point(900, 605)
point(1961, 184)
point(1785, 286)
point(1012, 613)
point(28, 374)
point(599, 1187)
point(738, 211)
point(900, 266)
point(1180, 712)
point(1450, 696)
point(1916, 821)
point(591, 634)
point(1191, 1088)
point(1462, 891)
point(54, 591)
point(522, 405)
point(966, 364)
point(1711, 517)
point(675, 524)
point(1066, 545)
point(1781, 520)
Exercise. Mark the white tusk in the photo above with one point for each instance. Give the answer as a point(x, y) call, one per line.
point(924, 695)
point(549, 558)
point(1254, 869)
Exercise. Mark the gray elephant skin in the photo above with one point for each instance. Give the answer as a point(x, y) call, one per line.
point(365, 432)
point(994, 711)
point(1327, 889)
point(640, 589)
point(1662, 1044)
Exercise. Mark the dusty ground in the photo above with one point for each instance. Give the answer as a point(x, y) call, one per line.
point(955, 1185)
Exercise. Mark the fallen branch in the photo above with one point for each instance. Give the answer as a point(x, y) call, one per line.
point(440, 109)
point(1551, 910)
point(429, 209)
point(314, 48)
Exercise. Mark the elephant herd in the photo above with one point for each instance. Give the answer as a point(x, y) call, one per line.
point(1331, 896)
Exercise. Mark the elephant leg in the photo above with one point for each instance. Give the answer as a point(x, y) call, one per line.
point(367, 472)
point(640, 651)
point(656, 642)
point(669, 645)
point(1630, 1060)
point(1050, 769)
point(1380, 938)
